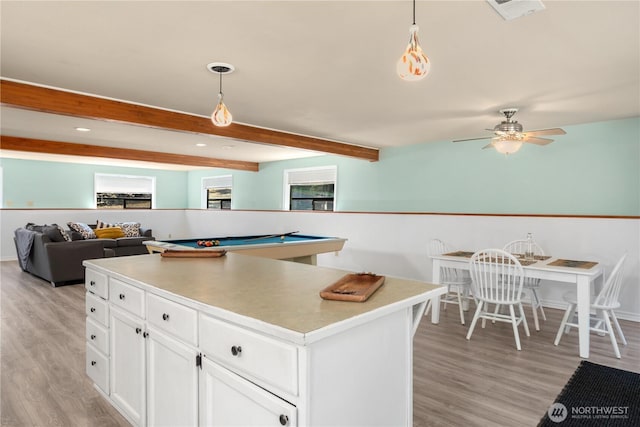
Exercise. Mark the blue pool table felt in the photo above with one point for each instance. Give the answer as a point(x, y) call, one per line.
point(246, 240)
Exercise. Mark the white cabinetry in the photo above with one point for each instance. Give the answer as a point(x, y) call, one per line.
point(127, 349)
point(270, 363)
point(141, 352)
point(240, 341)
point(172, 382)
point(172, 373)
point(128, 365)
point(96, 330)
point(177, 320)
point(227, 399)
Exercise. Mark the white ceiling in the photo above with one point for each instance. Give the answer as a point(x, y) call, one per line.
point(322, 68)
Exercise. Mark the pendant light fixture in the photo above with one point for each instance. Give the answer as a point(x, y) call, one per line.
point(413, 65)
point(221, 115)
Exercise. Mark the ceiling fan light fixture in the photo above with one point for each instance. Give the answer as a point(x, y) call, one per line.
point(506, 145)
point(413, 65)
point(509, 137)
point(508, 127)
point(221, 115)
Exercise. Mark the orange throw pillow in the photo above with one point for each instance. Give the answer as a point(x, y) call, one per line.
point(109, 233)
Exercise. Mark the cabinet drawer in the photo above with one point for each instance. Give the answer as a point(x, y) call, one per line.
point(174, 318)
point(98, 368)
point(226, 399)
point(97, 335)
point(97, 309)
point(260, 358)
point(97, 283)
point(127, 297)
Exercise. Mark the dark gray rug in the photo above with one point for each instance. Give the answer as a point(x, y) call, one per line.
point(596, 395)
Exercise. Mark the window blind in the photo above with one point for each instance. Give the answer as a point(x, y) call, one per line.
point(123, 184)
point(223, 181)
point(325, 175)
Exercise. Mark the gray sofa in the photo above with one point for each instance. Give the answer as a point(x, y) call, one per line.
point(59, 262)
point(122, 246)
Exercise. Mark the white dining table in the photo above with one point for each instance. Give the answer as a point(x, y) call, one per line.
point(581, 277)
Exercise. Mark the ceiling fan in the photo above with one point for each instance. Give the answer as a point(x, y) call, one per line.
point(509, 137)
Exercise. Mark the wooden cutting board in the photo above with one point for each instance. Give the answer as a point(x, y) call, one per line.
point(175, 253)
point(356, 287)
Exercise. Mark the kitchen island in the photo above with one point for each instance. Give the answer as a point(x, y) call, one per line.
point(242, 340)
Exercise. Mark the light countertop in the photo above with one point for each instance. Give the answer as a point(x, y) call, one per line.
point(260, 291)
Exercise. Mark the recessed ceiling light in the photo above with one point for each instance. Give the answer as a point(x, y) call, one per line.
point(80, 129)
point(200, 144)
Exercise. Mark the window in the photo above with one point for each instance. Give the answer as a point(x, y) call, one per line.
point(123, 201)
point(124, 191)
point(310, 189)
point(217, 192)
point(313, 197)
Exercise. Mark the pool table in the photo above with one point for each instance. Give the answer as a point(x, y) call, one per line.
point(288, 246)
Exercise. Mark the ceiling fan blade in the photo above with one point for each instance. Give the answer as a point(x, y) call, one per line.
point(473, 139)
point(537, 141)
point(489, 145)
point(544, 132)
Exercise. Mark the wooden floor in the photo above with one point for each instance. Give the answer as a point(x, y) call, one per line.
point(487, 382)
point(457, 382)
point(42, 356)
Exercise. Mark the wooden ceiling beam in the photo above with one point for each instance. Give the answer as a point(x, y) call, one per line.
point(73, 149)
point(55, 101)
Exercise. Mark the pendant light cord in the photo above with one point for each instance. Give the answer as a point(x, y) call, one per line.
point(220, 91)
point(414, 12)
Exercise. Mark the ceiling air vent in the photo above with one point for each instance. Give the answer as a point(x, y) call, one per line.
point(512, 9)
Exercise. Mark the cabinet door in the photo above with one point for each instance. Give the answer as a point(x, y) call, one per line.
point(172, 382)
point(128, 365)
point(227, 399)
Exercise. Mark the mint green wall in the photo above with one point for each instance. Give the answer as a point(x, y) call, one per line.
point(244, 183)
point(41, 185)
point(593, 170)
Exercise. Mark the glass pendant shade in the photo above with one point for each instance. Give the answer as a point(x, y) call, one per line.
point(506, 145)
point(413, 65)
point(221, 115)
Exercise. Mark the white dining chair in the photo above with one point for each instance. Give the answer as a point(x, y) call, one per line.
point(529, 285)
point(497, 278)
point(457, 281)
point(604, 303)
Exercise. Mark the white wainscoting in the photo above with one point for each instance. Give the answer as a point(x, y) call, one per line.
point(389, 244)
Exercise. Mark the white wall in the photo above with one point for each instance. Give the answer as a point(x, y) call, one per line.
point(388, 244)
